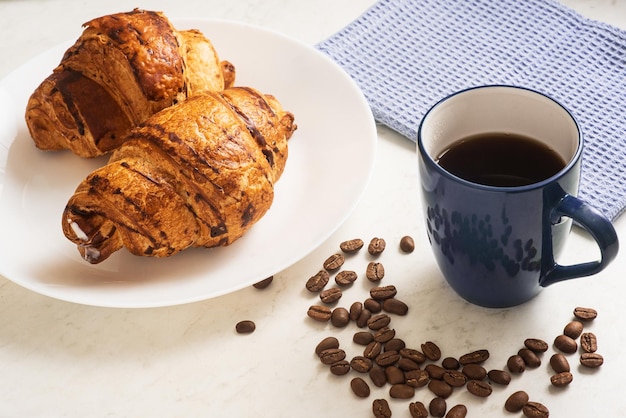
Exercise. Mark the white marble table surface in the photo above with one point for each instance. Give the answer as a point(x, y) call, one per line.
point(63, 359)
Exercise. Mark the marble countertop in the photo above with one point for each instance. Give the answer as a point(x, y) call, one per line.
point(61, 359)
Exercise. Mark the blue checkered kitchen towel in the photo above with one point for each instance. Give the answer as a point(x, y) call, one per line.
point(407, 54)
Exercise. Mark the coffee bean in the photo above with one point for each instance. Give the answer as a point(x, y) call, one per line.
point(263, 283)
point(407, 364)
point(377, 374)
point(435, 371)
point(431, 351)
point(345, 277)
point(376, 246)
point(331, 295)
point(319, 313)
point(395, 344)
point(373, 349)
point(437, 407)
point(516, 364)
point(372, 305)
point(440, 388)
point(365, 316)
point(413, 354)
point(317, 282)
point(585, 314)
point(355, 310)
point(454, 378)
point(332, 355)
point(418, 410)
point(566, 344)
point(245, 327)
point(416, 378)
point(394, 375)
point(375, 271)
point(379, 321)
point(326, 343)
point(475, 357)
point(395, 306)
point(589, 342)
point(537, 345)
point(363, 337)
point(380, 408)
point(559, 363)
point(385, 335)
point(401, 391)
point(381, 293)
point(530, 358)
point(340, 368)
point(450, 363)
point(387, 358)
point(352, 245)
point(479, 388)
point(516, 401)
point(457, 411)
point(334, 262)
point(535, 410)
point(500, 377)
point(474, 371)
point(340, 317)
point(360, 387)
point(573, 329)
point(361, 364)
point(561, 379)
point(407, 244)
point(591, 360)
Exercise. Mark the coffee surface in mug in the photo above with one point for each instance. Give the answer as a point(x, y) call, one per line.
point(501, 159)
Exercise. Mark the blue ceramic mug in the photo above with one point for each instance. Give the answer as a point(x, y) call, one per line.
point(496, 245)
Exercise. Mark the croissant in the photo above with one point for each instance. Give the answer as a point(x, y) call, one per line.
point(197, 174)
point(122, 69)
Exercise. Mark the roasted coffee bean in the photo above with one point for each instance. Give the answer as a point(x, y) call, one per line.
point(573, 329)
point(376, 246)
point(340, 317)
point(535, 344)
point(340, 368)
point(395, 306)
point(437, 407)
point(407, 364)
point(562, 379)
point(479, 388)
point(245, 327)
point(355, 310)
point(516, 364)
point(394, 375)
point(589, 342)
point(474, 371)
point(435, 371)
point(380, 408)
point(377, 374)
point(361, 364)
point(418, 410)
point(407, 244)
point(516, 401)
point(559, 363)
point(375, 271)
point(332, 355)
point(381, 293)
point(401, 391)
point(365, 316)
point(317, 282)
point(531, 359)
point(450, 363)
point(440, 388)
point(500, 377)
point(372, 305)
point(395, 344)
point(352, 245)
point(566, 344)
point(334, 262)
point(457, 411)
point(373, 349)
point(325, 344)
point(454, 378)
point(384, 335)
point(263, 283)
point(591, 360)
point(331, 295)
point(345, 277)
point(379, 321)
point(319, 313)
point(387, 358)
point(535, 410)
point(363, 337)
point(431, 351)
point(413, 354)
point(360, 387)
point(416, 378)
point(585, 314)
point(475, 357)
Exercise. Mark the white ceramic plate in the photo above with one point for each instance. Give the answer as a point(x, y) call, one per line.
point(331, 157)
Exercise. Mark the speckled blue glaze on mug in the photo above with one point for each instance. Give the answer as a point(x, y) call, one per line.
point(496, 246)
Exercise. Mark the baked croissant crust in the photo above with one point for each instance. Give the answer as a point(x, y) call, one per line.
point(197, 174)
point(122, 69)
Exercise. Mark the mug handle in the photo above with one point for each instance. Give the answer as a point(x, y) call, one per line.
point(597, 225)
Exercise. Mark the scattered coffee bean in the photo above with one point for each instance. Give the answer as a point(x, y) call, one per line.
point(474, 371)
point(407, 364)
point(245, 327)
point(317, 282)
point(361, 364)
point(334, 262)
point(407, 244)
point(454, 378)
point(332, 355)
point(435, 371)
point(516, 364)
point(363, 337)
point(319, 313)
point(394, 375)
point(401, 391)
point(387, 358)
point(325, 344)
point(431, 351)
point(573, 329)
point(340, 368)
point(340, 317)
point(589, 342)
point(437, 407)
point(530, 358)
point(376, 246)
point(372, 305)
point(375, 271)
point(355, 310)
point(384, 335)
point(380, 408)
point(379, 321)
point(345, 277)
point(450, 363)
point(360, 387)
point(535, 410)
point(395, 344)
point(263, 283)
point(352, 245)
point(373, 349)
point(457, 411)
point(500, 377)
point(377, 374)
point(562, 379)
point(559, 363)
point(516, 401)
point(591, 360)
point(566, 344)
point(413, 354)
point(416, 378)
point(475, 357)
point(395, 306)
point(331, 295)
point(585, 314)
point(537, 345)
point(365, 316)
point(479, 388)
point(440, 388)
point(418, 410)
point(380, 293)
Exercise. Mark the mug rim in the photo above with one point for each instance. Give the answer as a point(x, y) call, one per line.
point(533, 186)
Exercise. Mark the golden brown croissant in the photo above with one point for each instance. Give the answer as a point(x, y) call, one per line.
point(122, 69)
point(197, 174)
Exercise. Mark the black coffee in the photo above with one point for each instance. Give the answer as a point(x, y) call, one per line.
point(501, 159)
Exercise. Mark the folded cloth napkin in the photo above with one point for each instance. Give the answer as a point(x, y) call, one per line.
point(406, 55)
